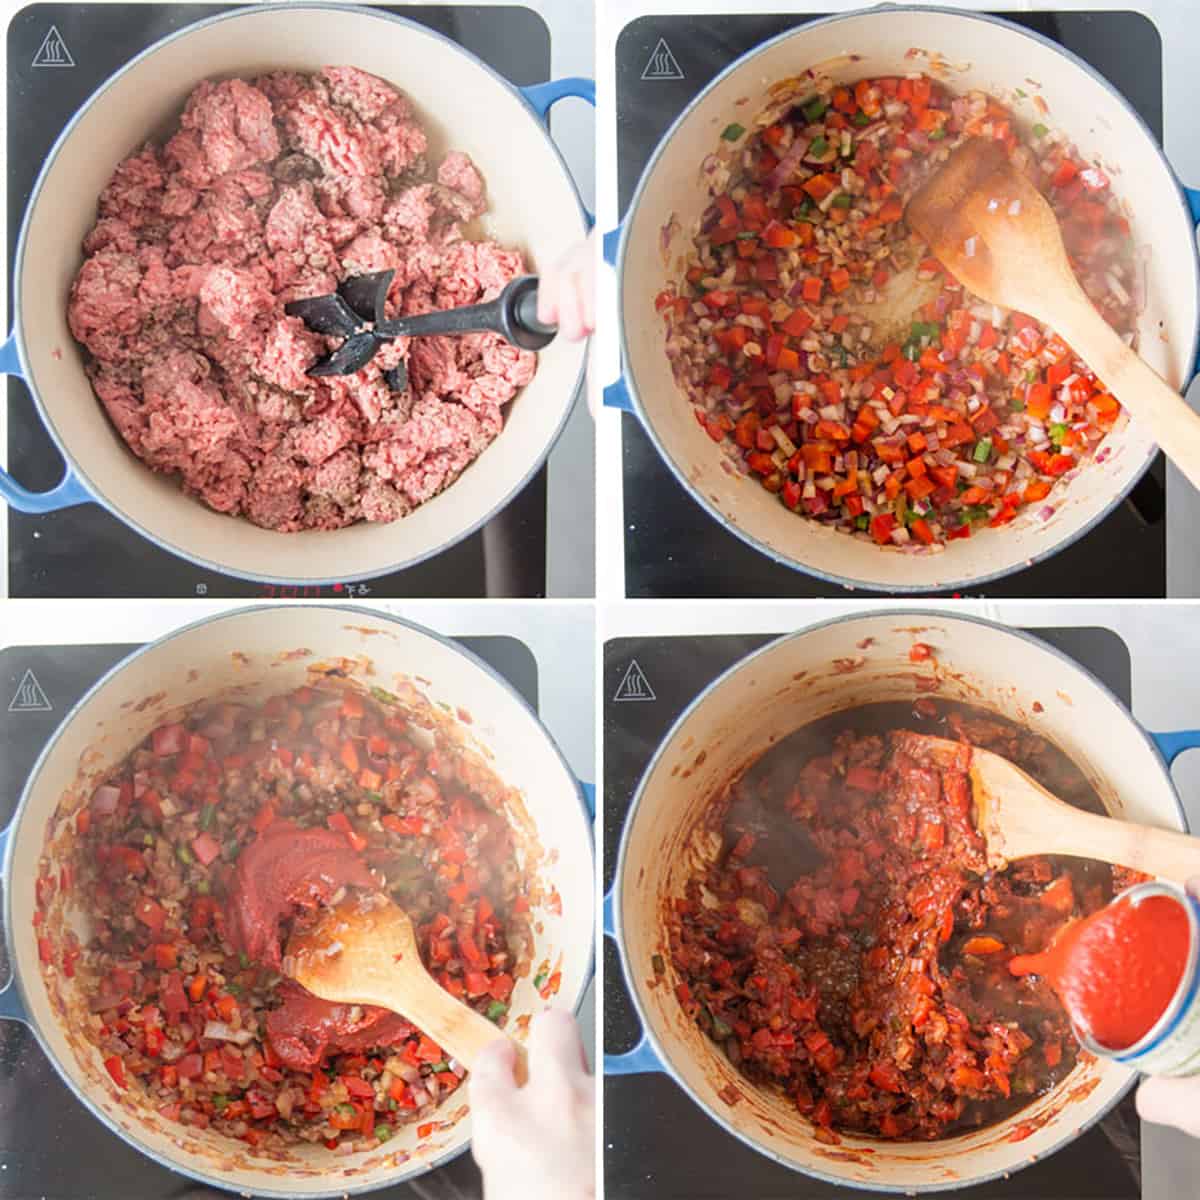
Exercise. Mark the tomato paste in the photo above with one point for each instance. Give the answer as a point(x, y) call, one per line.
point(305, 1029)
point(284, 869)
point(1117, 970)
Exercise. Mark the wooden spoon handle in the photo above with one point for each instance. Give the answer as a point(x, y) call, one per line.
point(1161, 852)
point(459, 1029)
point(1168, 416)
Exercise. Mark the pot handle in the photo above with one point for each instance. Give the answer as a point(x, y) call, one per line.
point(1192, 195)
point(11, 1008)
point(612, 239)
point(616, 395)
point(543, 96)
point(69, 491)
point(1172, 745)
point(643, 1059)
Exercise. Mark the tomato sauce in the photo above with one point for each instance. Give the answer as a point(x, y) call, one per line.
point(1117, 970)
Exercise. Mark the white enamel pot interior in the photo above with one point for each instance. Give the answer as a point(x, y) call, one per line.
point(463, 105)
point(784, 686)
point(983, 52)
point(259, 653)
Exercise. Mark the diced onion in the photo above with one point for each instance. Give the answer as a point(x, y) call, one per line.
point(218, 1031)
point(105, 798)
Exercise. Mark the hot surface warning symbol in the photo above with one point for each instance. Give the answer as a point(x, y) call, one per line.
point(30, 697)
point(635, 686)
point(53, 51)
point(662, 64)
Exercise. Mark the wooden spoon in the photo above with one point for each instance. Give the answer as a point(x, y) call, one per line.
point(1018, 818)
point(364, 951)
point(994, 232)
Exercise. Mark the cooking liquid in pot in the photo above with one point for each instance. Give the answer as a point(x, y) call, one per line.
point(850, 945)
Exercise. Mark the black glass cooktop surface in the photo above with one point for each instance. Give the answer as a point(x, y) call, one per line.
point(657, 1142)
point(58, 55)
point(51, 1147)
point(672, 546)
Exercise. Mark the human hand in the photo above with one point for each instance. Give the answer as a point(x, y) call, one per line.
point(536, 1142)
point(567, 292)
point(1176, 1102)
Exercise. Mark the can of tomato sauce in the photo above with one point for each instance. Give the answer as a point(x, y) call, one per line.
point(1171, 1046)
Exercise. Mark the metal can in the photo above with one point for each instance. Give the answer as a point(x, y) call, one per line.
point(1172, 1044)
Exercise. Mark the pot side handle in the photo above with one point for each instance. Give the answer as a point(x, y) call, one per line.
point(643, 1059)
point(543, 96)
point(1172, 745)
point(69, 491)
point(11, 1008)
point(612, 240)
point(616, 395)
point(1192, 195)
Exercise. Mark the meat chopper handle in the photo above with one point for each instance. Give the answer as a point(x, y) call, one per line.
point(525, 316)
point(506, 315)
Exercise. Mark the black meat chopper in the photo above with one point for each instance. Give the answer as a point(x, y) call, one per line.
point(355, 313)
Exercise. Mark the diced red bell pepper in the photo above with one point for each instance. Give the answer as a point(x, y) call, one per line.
point(882, 526)
point(1067, 170)
point(797, 324)
point(429, 1051)
point(116, 1068)
point(150, 913)
point(779, 236)
point(921, 531)
point(477, 983)
point(348, 756)
point(357, 1086)
point(190, 1066)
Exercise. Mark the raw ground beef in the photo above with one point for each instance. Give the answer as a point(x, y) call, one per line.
point(270, 191)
